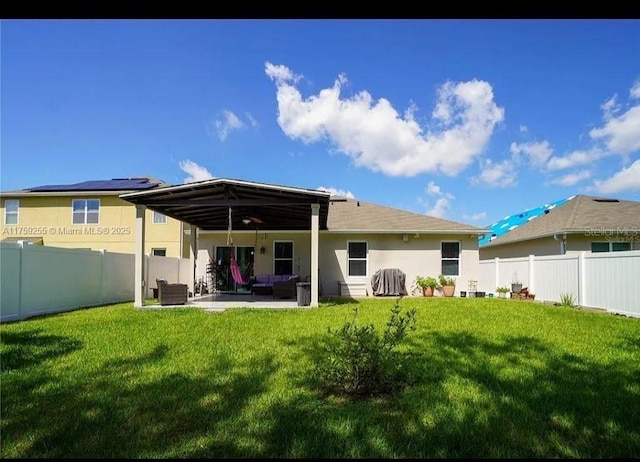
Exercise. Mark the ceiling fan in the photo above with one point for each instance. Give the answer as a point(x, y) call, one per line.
point(247, 220)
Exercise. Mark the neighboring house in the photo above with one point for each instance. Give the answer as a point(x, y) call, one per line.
point(87, 215)
point(579, 223)
point(289, 230)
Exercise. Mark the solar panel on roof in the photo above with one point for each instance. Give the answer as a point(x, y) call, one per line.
point(116, 184)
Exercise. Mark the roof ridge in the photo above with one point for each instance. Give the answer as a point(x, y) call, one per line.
point(395, 209)
point(574, 211)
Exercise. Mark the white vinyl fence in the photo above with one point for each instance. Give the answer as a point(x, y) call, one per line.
point(607, 280)
point(36, 280)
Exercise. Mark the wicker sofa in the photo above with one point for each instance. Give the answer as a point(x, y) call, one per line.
point(280, 286)
point(171, 294)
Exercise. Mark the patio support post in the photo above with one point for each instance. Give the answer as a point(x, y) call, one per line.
point(193, 257)
point(315, 225)
point(138, 277)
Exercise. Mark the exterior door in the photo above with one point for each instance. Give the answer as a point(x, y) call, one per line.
point(224, 278)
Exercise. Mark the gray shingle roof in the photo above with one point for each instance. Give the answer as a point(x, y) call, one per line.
point(357, 215)
point(578, 215)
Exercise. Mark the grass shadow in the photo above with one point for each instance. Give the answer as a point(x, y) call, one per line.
point(21, 350)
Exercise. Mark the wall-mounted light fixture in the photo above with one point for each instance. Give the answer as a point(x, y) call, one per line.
point(405, 237)
point(263, 250)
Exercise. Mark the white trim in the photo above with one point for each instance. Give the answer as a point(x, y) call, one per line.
point(153, 218)
point(86, 210)
point(17, 213)
point(226, 180)
point(459, 259)
point(293, 255)
point(366, 259)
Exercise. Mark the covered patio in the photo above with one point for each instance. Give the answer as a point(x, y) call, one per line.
point(228, 206)
point(222, 302)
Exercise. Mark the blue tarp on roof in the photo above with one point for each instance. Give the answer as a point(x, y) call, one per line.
point(505, 225)
point(115, 184)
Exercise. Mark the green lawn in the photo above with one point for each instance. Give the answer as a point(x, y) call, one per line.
point(490, 378)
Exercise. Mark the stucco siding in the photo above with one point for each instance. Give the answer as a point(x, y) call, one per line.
point(541, 246)
point(421, 256)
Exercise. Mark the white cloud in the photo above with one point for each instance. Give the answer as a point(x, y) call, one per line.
point(443, 203)
point(538, 151)
point(441, 207)
point(433, 189)
point(476, 216)
point(572, 178)
point(195, 171)
point(280, 73)
point(252, 120)
point(497, 174)
point(230, 122)
point(337, 192)
point(621, 134)
point(627, 179)
point(610, 107)
point(574, 159)
point(524, 129)
point(377, 137)
point(635, 90)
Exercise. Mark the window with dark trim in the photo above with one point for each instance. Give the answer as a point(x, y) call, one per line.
point(357, 258)
point(610, 246)
point(450, 258)
point(283, 257)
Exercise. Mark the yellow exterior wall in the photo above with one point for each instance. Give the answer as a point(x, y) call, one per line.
point(50, 217)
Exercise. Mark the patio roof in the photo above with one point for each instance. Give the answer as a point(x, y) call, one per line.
point(206, 204)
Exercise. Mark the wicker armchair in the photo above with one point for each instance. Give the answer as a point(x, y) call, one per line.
point(171, 294)
point(286, 289)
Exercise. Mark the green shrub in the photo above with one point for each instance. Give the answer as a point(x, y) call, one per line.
point(568, 300)
point(359, 362)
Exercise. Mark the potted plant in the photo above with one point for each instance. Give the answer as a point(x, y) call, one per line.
point(502, 292)
point(427, 284)
point(447, 284)
point(516, 285)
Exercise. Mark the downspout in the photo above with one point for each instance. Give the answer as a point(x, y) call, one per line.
point(563, 243)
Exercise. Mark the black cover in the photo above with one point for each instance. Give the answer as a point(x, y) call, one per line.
point(389, 281)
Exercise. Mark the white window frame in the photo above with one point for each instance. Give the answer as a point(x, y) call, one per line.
point(153, 251)
point(611, 245)
point(366, 259)
point(459, 258)
point(157, 215)
point(293, 256)
point(16, 213)
point(86, 211)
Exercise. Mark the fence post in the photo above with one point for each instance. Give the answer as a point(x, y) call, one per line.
point(102, 272)
point(497, 263)
point(21, 278)
point(147, 287)
point(582, 277)
point(531, 284)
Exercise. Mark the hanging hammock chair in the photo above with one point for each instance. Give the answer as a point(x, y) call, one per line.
point(238, 275)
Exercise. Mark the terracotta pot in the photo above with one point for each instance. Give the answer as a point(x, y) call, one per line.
point(448, 291)
point(427, 291)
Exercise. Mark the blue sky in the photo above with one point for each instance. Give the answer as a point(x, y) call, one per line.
point(470, 120)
